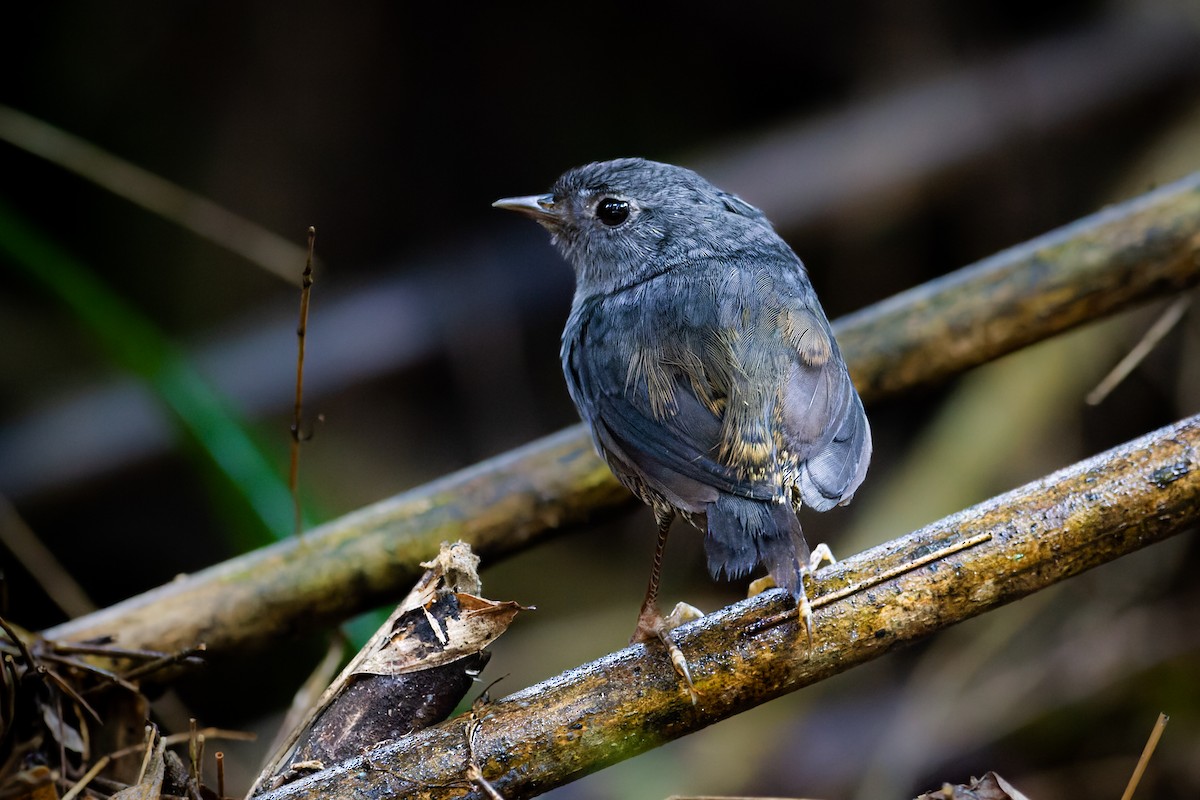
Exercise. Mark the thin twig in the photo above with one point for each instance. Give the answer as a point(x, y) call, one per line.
point(474, 773)
point(195, 750)
point(872, 581)
point(82, 783)
point(58, 584)
point(148, 751)
point(68, 690)
point(92, 667)
point(1161, 327)
point(104, 650)
point(164, 661)
point(306, 282)
point(173, 739)
point(1155, 734)
point(198, 214)
point(19, 643)
point(210, 733)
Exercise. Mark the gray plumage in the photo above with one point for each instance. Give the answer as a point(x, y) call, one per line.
point(701, 360)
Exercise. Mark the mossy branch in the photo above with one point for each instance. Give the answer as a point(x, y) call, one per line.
point(1144, 248)
point(753, 651)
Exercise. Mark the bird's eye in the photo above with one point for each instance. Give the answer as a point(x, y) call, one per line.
point(612, 211)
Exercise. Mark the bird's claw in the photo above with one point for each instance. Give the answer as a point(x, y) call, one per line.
point(652, 626)
point(821, 554)
point(804, 609)
point(760, 585)
point(681, 614)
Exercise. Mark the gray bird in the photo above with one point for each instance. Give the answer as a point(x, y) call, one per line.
point(698, 355)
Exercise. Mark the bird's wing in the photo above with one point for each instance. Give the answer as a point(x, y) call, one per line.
point(822, 438)
point(733, 386)
point(825, 432)
point(645, 413)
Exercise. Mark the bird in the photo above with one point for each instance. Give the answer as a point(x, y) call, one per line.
point(700, 359)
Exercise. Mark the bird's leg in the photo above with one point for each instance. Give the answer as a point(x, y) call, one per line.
point(664, 518)
point(651, 625)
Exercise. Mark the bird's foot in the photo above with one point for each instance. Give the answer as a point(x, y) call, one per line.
point(653, 626)
point(803, 610)
point(682, 614)
point(760, 585)
point(821, 554)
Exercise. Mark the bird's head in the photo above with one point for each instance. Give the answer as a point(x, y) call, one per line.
point(621, 222)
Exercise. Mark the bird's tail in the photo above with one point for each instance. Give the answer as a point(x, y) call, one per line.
point(743, 533)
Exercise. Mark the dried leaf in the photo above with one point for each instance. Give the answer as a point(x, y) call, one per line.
point(420, 641)
point(411, 674)
point(458, 566)
point(35, 783)
point(990, 787)
point(62, 732)
point(1006, 786)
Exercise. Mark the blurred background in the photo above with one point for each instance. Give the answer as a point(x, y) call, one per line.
point(889, 142)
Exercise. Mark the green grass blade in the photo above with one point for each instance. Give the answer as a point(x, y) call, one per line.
point(136, 344)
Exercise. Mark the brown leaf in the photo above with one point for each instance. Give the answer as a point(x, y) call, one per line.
point(990, 787)
point(437, 634)
point(457, 566)
point(61, 730)
point(35, 783)
point(411, 674)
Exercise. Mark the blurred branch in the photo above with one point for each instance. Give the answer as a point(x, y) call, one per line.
point(1011, 546)
point(1102, 263)
point(41, 563)
point(1132, 252)
point(198, 214)
point(369, 556)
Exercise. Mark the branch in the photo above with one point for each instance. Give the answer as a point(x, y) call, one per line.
point(1144, 248)
point(748, 653)
point(1093, 267)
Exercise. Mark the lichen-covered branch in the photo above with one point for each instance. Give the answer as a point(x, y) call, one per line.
point(1122, 255)
point(1145, 248)
point(367, 557)
point(751, 652)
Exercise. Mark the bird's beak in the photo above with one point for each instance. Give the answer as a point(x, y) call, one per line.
point(540, 207)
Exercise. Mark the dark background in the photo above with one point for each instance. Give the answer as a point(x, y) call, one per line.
point(890, 143)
